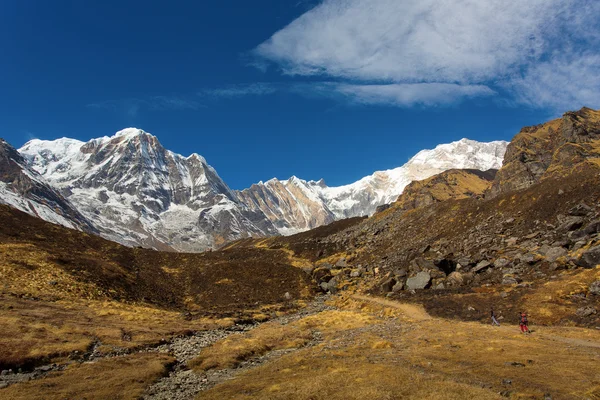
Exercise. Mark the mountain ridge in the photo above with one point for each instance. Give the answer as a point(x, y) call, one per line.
point(138, 193)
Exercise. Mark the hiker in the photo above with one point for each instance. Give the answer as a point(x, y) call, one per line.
point(494, 320)
point(523, 323)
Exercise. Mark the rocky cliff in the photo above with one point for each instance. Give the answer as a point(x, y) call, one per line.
point(551, 149)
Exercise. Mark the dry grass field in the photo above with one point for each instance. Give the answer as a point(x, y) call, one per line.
point(381, 349)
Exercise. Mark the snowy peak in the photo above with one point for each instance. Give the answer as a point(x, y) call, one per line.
point(134, 191)
point(138, 192)
point(287, 202)
point(24, 189)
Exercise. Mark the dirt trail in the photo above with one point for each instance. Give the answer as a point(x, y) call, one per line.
point(412, 311)
point(418, 313)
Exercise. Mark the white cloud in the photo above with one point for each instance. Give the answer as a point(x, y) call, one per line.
point(410, 94)
point(467, 43)
point(241, 90)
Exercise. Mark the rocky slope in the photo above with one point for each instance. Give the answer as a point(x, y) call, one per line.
point(24, 189)
point(542, 238)
point(138, 193)
point(296, 204)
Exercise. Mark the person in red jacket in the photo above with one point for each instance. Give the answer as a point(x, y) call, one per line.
point(523, 322)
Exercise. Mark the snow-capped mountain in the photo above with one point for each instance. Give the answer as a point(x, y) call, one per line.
point(24, 189)
point(295, 204)
point(138, 193)
point(132, 190)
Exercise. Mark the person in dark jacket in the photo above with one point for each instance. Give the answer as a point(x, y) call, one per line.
point(494, 320)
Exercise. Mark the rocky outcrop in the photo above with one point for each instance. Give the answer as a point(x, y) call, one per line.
point(452, 184)
point(551, 149)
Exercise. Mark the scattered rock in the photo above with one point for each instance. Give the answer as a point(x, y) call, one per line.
point(514, 364)
point(506, 382)
point(501, 263)
point(509, 280)
point(455, 279)
point(420, 281)
point(595, 288)
point(590, 258)
point(580, 210)
point(592, 228)
point(341, 263)
point(287, 296)
point(571, 224)
point(482, 265)
point(398, 287)
point(554, 253)
point(586, 311)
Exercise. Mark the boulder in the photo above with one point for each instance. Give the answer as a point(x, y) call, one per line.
point(554, 253)
point(401, 272)
point(509, 280)
point(590, 258)
point(592, 228)
point(356, 273)
point(455, 279)
point(594, 288)
point(501, 263)
point(586, 311)
point(571, 224)
point(341, 263)
point(580, 210)
point(482, 265)
point(398, 287)
point(420, 281)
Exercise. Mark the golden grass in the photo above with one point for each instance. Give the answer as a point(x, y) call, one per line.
point(401, 354)
point(116, 378)
point(230, 352)
point(32, 332)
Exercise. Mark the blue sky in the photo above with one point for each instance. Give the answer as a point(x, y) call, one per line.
point(335, 89)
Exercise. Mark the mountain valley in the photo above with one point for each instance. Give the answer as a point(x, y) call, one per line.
point(373, 293)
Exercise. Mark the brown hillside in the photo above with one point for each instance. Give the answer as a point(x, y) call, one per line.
point(452, 184)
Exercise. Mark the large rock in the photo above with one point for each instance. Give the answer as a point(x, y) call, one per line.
point(586, 311)
point(420, 281)
point(482, 265)
point(554, 253)
point(455, 279)
point(501, 263)
point(590, 258)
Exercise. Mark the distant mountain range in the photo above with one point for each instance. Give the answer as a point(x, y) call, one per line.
point(128, 188)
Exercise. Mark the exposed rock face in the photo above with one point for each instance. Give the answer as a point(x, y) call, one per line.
point(452, 184)
point(550, 149)
point(24, 189)
point(420, 281)
point(137, 192)
point(292, 206)
point(295, 205)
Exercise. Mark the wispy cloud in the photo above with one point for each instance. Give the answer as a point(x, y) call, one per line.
point(411, 94)
point(241, 90)
point(132, 106)
point(542, 52)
